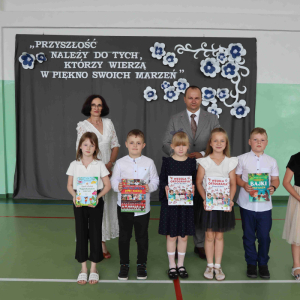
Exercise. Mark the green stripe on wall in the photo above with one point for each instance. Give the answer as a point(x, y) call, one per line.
point(277, 110)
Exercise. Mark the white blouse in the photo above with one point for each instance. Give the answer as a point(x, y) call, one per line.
point(95, 169)
point(214, 170)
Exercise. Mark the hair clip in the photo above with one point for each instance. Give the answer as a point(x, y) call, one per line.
point(174, 132)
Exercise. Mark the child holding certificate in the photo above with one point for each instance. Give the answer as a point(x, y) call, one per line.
point(218, 164)
point(88, 219)
point(255, 204)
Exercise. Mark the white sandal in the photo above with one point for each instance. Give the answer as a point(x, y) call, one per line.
point(297, 277)
point(94, 277)
point(82, 277)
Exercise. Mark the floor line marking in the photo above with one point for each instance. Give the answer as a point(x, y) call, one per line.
point(154, 281)
point(177, 289)
point(238, 281)
point(74, 280)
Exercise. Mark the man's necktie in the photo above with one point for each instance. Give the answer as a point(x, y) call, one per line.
point(193, 125)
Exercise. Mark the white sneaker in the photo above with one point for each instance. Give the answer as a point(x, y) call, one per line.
point(219, 274)
point(209, 273)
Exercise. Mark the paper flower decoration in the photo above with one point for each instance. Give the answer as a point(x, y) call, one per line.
point(236, 51)
point(230, 70)
point(165, 85)
point(171, 94)
point(40, 57)
point(222, 56)
point(213, 109)
point(158, 51)
point(208, 96)
point(181, 85)
point(27, 60)
point(223, 94)
point(150, 94)
point(210, 67)
point(170, 59)
point(240, 110)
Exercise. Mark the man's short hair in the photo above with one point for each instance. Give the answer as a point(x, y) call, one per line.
point(193, 87)
point(258, 130)
point(136, 132)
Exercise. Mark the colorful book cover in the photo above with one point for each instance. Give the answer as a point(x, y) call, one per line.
point(133, 195)
point(260, 183)
point(217, 193)
point(180, 190)
point(86, 193)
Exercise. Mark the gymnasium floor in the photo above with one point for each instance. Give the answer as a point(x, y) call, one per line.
point(37, 261)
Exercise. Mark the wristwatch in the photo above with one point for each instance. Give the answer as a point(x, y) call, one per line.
point(274, 187)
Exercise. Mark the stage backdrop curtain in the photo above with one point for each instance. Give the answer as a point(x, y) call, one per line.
point(50, 95)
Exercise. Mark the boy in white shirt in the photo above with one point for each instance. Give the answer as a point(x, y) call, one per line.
point(134, 166)
point(256, 216)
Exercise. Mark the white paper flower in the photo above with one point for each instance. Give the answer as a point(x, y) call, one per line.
point(170, 59)
point(158, 51)
point(222, 56)
point(230, 70)
point(208, 96)
point(223, 94)
point(210, 67)
point(240, 110)
point(181, 85)
point(165, 85)
point(236, 51)
point(171, 94)
point(40, 57)
point(27, 60)
point(150, 94)
point(213, 109)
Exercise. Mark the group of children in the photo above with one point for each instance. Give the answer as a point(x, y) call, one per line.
point(178, 222)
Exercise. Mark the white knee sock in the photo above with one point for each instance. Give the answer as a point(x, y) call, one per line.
point(171, 256)
point(180, 262)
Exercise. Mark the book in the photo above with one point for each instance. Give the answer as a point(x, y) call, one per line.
point(86, 193)
point(133, 195)
point(218, 193)
point(180, 190)
point(260, 183)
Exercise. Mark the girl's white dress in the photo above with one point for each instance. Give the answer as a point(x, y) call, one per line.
point(107, 141)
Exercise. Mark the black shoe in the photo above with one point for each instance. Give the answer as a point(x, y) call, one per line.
point(200, 251)
point(264, 272)
point(182, 272)
point(141, 271)
point(173, 273)
point(252, 271)
point(123, 274)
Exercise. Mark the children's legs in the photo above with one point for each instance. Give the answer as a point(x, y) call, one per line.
point(95, 233)
point(264, 225)
point(81, 226)
point(125, 233)
point(141, 224)
point(171, 247)
point(209, 246)
point(182, 243)
point(296, 258)
point(249, 237)
point(219, 247)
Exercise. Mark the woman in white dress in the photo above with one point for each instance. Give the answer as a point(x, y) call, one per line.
point(95, 108)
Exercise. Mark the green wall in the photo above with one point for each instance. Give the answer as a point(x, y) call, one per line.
point(277, 110)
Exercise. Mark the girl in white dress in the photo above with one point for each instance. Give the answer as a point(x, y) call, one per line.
point(95, 108)
point(216, 163)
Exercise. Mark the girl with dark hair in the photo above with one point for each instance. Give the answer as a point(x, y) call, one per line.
point(95, 108)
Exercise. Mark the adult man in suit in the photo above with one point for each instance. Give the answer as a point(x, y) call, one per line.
point(197, 124)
